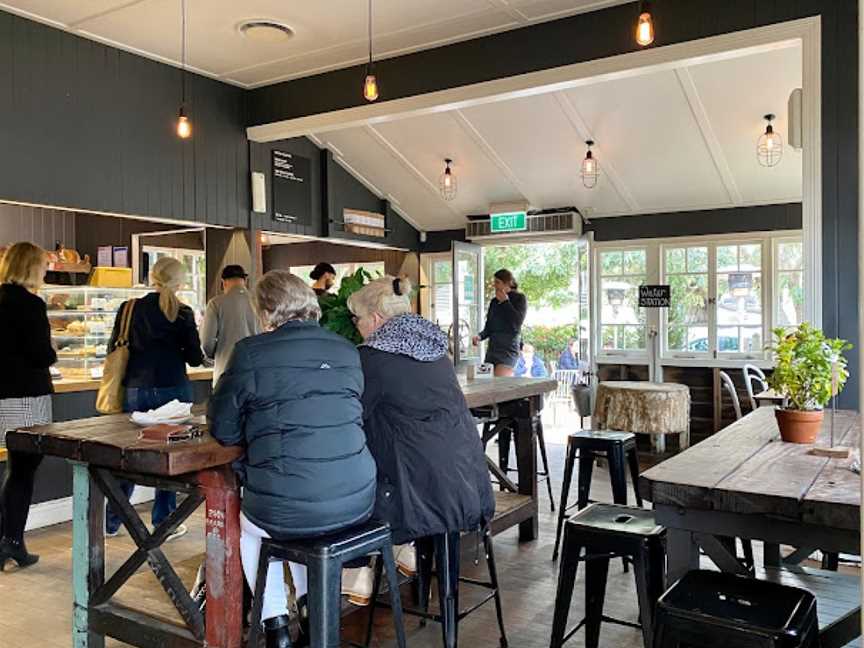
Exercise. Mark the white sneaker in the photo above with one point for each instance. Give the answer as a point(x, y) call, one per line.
point(406, 559)
point(179, 532)
point(357, 585)
point(113, 534)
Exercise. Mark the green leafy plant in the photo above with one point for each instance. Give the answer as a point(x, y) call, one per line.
point(807, 362)
point(335, 314)
point(549, 342)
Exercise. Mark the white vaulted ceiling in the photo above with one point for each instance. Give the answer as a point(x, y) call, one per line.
point(679, 139)
point(328, 34)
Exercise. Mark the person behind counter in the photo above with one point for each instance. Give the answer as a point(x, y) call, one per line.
point(229, 318)
point(324, 276)
point(163, 339)
point(503, 328)
point(25, 386)
point(291, 398)
point(432, 476)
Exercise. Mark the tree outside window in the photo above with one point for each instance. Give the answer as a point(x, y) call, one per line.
point(622, 322)
point(789, 284)
point(686, 272)
point(739, 298)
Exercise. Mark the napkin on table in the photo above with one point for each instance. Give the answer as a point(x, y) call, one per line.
point(168, 412)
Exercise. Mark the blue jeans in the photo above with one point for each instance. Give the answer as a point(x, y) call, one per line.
point(141, 399)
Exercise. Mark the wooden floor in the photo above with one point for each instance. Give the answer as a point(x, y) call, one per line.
point(35, 604)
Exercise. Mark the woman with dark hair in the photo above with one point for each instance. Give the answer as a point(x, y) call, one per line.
point(324, 276)
point(503, 328)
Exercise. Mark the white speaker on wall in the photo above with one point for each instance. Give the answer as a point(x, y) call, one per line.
point(796, 120)
point(259, 193)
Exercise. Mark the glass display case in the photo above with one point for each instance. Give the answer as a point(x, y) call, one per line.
point(82, 319)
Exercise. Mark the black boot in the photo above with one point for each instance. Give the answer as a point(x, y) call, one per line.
point(276, 633)
point(15, 550)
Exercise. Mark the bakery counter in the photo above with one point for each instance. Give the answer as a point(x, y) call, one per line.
point(70, 385)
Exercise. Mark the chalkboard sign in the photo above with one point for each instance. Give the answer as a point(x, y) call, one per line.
point(292, 191)
point(654, 296)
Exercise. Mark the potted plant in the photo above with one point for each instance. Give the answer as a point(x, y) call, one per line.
point(810, 370)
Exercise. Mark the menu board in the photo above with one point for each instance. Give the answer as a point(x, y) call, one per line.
point(292, 191)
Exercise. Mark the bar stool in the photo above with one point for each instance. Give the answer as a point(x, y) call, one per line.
point(608, 531)
point(616, 447)
point(324, 557)
point(719, 610)
point(445, 549)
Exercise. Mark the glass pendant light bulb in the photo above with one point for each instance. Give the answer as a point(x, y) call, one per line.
point(645, 25)
point(370, 87)
point(447, 182)
point(184, 126)
point(590, 171)
point(769, 148)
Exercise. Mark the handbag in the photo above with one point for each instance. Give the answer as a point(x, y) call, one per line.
point(109, 400)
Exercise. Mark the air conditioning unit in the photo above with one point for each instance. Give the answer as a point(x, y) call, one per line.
point(563, 225)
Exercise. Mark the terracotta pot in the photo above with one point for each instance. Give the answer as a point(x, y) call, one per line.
point(797, 426)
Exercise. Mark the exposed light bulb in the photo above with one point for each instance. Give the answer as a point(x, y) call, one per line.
point(769, 148)
point(769, 142)
point(370, 88)
point(645, 29)
point(589, 166)
point(448, 180)
point(184, 126)
point(590, 171)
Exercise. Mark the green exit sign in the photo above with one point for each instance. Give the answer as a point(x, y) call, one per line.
point(509, 222)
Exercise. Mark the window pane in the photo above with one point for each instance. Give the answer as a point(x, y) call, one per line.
point(610, 263)
point(607, 335)
point(689, 304)
point(697, 259)
point(727, 339)
point(697, 339)
point(442, 306)
point(790, 255)
point(750, 257)
point(620, 302)
point(790, 298)
point(634, 262)
point(443, 272)
point(675, 260)
point(634, 337)
point(689, 299)
point(751, 339)
point(727, 258)
point(739, 298)
point(676, 339)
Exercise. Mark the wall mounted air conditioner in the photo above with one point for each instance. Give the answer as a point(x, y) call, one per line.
point(559, 225)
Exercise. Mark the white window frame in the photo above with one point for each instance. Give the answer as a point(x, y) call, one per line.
point(427, 279)
point(665, 352)
point(776, 270)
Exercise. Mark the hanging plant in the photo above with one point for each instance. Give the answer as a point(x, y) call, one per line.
point(335, 314)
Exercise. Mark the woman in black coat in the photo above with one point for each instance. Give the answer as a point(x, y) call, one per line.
point(432, 476)
point(504, 320)
point(25, 386)
point(291, 398)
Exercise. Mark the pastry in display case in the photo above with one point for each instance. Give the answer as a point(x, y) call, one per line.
point(82, 319)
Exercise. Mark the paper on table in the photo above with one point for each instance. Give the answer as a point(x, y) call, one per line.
point(169, 412)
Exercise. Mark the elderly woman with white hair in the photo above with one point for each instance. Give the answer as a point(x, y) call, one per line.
point(163, 339)
point(291, 398)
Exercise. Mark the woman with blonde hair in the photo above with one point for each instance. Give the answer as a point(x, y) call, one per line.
point(163, 339)
point(25, 386)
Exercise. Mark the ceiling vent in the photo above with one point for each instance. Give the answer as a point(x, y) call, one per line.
point(557, 225)
point(265, 31)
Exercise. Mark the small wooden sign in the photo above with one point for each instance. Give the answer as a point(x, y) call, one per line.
point(654, 296)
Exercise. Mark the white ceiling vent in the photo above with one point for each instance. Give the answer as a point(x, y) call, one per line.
point(556, 226)
point(265, 31)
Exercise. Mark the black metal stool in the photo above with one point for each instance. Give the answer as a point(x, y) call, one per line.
point(618, 448)
point(608, 531)
point(324, 557)
point(719, 610)
point(445, 549)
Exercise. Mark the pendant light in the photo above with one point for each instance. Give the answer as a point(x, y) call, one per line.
point(184, 126)
point(590, 168)
point(447, 182)
point(370, 85)
point(769, 148)
point(645, 25)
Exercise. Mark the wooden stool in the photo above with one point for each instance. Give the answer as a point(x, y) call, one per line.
point(617, 448)
point(608, 531)
point(324, 557)
point(718, 610)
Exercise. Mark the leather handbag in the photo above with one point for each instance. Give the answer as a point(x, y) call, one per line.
point(109, 400)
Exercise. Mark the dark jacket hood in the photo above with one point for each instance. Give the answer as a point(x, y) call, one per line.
point(410, 335)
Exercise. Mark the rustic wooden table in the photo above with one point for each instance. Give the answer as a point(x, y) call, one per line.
point(745, 482)
point(105, 449)
point(520, 402)
point(645, 407)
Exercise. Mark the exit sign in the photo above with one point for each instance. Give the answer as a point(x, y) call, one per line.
point(509, 222)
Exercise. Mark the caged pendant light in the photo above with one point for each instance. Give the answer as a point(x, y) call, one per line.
point(590, 171)
point(447, 181)
point(769, 148)
point(184, 126)
point(370, 84)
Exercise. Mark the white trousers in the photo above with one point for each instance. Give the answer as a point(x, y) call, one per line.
point(275, 596)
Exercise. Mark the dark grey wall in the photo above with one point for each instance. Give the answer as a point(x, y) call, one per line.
point(87, 126)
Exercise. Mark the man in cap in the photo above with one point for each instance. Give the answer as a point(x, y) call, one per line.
point(229, 318)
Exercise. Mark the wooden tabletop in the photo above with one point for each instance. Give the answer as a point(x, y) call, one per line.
point(483, 392)
point(746, 468)
point(112, 442)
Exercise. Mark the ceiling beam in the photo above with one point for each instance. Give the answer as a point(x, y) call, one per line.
point(700, 114)
point(490, 152)
point(513, 12)
point(579, 125)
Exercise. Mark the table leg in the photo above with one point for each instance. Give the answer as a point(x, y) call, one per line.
point(223, 568)
point(88, 553)
point(658, 443)
point(682, 554)
point(526, 461)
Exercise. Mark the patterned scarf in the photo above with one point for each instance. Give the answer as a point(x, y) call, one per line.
point(410, 335)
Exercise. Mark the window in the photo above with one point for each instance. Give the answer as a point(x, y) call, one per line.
point(788, 282)
point(442, 293)
point(739, 298)
point(686, 271)
point(622, 322)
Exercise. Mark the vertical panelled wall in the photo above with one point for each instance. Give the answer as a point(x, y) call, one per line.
point(41, 226)
point(609, 32)
point(87, 126)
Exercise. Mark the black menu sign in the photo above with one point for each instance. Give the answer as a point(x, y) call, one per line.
point(292, 193)
point(654, 296)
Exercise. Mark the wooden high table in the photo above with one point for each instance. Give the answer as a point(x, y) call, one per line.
point(745, 482)
point(105, 449)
